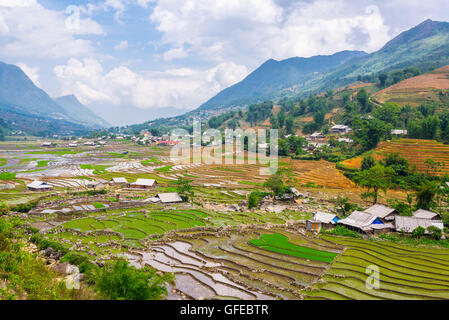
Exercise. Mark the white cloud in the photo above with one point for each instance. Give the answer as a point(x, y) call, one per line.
point(17, 3)
point(31, 72)
point(38, 32)
point(254, 30)
point(184, 87)
point(175, 53)
point(123, 45)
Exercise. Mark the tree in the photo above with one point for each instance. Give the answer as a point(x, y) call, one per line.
point(368, 133)
point(368, 162)
point(275, 184)
point(184, 188)
point(289, 124)
point(426, 128)
point(344, 206)
point(398, 163)
point(255, 197)
point(425, 193)
point(319, 116)
point(383, 79)
point(363, 100)
point(375, 179)
point(120, 281)
point(405, 115)
point(281, 118)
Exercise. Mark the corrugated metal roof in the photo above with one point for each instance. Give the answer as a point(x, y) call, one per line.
point(359, 219)
point(324, 217)
point(169, 197)
point(408, 224)
point(144, 182)
point(119, 180)
point(380, 210)
point(38, 185)
point(424, 214)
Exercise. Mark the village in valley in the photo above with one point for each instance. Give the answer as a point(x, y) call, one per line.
point(222, 230)
point(224, 150)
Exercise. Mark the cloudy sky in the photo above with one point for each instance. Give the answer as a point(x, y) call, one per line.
point(173, 53)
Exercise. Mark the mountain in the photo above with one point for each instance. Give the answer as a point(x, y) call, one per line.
point(24, 106)
point(268, 81)
point(80, 113)
point(424, 46)
point(16, 118)
point(17, 89)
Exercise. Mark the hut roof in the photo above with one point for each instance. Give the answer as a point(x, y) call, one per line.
point(380, 211)
point(169, 197)
point(424, 214)
point(358, 219)
point(144, 182)
point(408, 224)
point(324, 217)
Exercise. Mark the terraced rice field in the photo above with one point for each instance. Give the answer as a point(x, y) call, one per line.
point(138, 225)
point(248, 176)
point(416, 151)
point(280, 244)
point(209, 264)
point(417, 90)
point(405, 272)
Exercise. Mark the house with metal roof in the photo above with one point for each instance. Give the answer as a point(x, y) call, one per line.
point(119, 180)
point(172, 197)
point(365, 222)
point(408, 224)
point(321, 220)
point(39, 186)
point(385, 213)
point(426, 214)
point(340, 128)
point(144, 184)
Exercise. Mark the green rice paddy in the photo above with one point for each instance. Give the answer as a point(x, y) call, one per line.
point(280, 243)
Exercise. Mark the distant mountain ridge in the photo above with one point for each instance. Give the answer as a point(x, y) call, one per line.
point(274, 76)
point(426, 45)
point(21, 101)
point(17, 89)
point(80, 113)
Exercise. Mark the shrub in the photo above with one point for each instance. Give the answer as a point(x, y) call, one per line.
point(25, 208)
point(255, 197)
point(43, 244)
point(435, 232)
point(418, 232)
point(76, 259)
point(120, 281)
point(90, 192)
point(4, 209)
point(341, 231)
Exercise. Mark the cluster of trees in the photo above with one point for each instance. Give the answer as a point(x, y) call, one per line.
point(421, 122)
point(292, 146)
point(217, 121)
point(426, 191)
point(389, 79)
point(259, 112)
point(283, 121)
